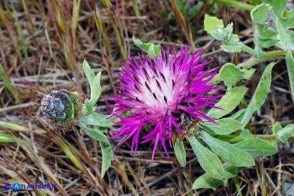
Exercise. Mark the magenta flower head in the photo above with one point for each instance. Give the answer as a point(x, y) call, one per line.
point(157, 92)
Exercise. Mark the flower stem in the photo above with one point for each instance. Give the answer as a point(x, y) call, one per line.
point(236, 4)
point(249, 50)
point(269, 56)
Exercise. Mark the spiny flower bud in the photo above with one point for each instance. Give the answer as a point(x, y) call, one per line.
point(61, 108)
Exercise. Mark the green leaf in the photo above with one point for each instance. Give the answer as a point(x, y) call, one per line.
point(96, 89)
point(88, 72)
point(106, 149)
point(259, 14)
point(180, 151)
point(228, 152)
point(277, 6)
point(95, 119)
point(94, 82)
point(230, 74)
point(228, 102)
point(212, 23)
point(276, 128)
point(206, 181)
point(224, 126)
point(207, 159)
point(284, 134)
point(107, 155)
point(151, 49)
point(5, 138)
point(284, 22)
point(260, 94)
point(247, 74)
point(257, 147)
point(290, 68)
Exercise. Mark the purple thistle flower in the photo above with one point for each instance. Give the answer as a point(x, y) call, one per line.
point(158, 92)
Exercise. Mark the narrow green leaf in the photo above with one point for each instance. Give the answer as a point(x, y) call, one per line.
point(96, 89)
point(257, 147)
point(107, 155)
point(180, 151)
point(5, 138)
point(107, 152)
point(260, 94)
point(212, 23)
point(95, 119)
point(290, 68)
point(207, 159)
point(228, 102)
point(5, 78)
point(88, 72)
point(228, 152)
point(286, 133)
point(224, 126)
point(94, 82)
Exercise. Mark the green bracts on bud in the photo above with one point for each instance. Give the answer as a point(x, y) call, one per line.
point(61, 108)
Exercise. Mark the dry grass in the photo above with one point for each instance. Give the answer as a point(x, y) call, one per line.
point(43, 44)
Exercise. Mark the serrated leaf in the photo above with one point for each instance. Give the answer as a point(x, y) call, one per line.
point(290, 68)
point(95, 119)
point(212, 23)
point(257, 147)
point(228, 102)
point(230, 74)
point(106, 149)
point(260, 94)
point(286, 133)
point(227, 151)
point(224, 126)
point(207, 159)
point(284, 21)
point(180, 151)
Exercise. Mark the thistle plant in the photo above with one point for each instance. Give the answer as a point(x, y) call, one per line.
point(62, 109)
point(164, 87)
